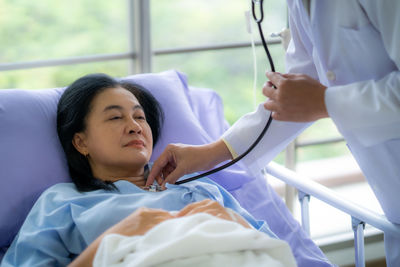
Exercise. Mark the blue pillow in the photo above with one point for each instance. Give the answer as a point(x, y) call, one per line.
point(208, 108)
point(32, 159)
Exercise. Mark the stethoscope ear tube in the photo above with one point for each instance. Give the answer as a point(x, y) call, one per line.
point(253, 9)
point(271, 63)
point(258, 21)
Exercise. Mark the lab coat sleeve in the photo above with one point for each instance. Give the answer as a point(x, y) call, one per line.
point(298, 57)
point(246, 130)
point(370, 109)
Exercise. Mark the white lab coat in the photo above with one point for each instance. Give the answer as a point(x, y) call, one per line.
point(353, 47)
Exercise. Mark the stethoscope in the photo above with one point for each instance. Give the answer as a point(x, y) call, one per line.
point(258, 20)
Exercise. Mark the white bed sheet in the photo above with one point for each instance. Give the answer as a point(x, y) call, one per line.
point(197, 240)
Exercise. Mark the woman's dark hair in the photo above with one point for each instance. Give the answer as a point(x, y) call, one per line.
point(72, 111)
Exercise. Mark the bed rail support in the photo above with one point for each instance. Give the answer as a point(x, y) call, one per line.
point(358, 229)
point(360, 215)
point(304, 199)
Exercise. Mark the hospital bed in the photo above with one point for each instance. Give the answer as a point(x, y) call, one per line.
point(31, 160)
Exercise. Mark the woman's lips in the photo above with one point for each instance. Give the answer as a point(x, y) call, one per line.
point(136, 143)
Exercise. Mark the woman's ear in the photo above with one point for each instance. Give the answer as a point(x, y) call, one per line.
point(79, 142)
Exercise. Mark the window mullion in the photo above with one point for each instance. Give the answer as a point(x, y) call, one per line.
point(140, 36)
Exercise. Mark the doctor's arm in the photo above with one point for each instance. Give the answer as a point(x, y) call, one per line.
point(179, 159)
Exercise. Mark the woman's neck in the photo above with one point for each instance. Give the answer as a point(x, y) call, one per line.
point(139, 181)
point(136, 176)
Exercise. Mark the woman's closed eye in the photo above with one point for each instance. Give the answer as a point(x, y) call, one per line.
point(142, 118)
point(139, 115)
point(115, 118)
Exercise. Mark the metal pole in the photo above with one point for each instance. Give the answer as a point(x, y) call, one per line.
point(132, 37)
point(358, 229)
point(290, 163)
point(305, 213)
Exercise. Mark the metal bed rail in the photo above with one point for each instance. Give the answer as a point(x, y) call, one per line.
point(359, 215)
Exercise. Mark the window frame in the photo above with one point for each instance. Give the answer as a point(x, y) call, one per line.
point(140, 56)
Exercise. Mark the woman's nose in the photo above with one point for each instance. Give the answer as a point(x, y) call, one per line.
point(134, 126)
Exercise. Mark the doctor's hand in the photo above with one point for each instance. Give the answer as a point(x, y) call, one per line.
point(178, 160)
point(297, 97)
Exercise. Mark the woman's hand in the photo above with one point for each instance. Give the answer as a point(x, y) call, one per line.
point(213, 208)
point(178, 160)
point(144, 219)
point(138, 223)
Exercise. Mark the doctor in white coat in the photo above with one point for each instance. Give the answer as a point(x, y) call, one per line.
point(343, 62)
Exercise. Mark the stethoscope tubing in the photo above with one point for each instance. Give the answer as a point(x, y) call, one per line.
point(272, 66)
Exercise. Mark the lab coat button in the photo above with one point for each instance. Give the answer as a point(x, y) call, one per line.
point(330, 75)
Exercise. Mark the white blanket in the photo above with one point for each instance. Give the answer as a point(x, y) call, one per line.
point(197, 240)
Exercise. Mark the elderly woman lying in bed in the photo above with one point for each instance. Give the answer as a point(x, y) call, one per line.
point(107, 130)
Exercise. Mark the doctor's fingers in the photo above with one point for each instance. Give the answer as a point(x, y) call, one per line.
point(283, 117)
point(285, 76)
point(172, 177)
point(168, 170)
point(294, 76)
point(276, 78)
point(275, 109)
point(269, 91)
point(285, 81)
point(165, 159)
point(279, 112)
point(155, 174)
point(272, 105)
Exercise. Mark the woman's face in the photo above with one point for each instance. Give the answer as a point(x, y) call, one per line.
point(117, 138)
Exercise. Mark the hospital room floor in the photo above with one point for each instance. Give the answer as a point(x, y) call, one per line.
point(331, 228)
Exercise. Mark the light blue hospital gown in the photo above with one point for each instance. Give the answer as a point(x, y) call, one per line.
point(63, 222)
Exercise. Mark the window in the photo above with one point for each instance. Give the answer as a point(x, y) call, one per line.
point(49, 33)
point(221, 56)
point(47, 44)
